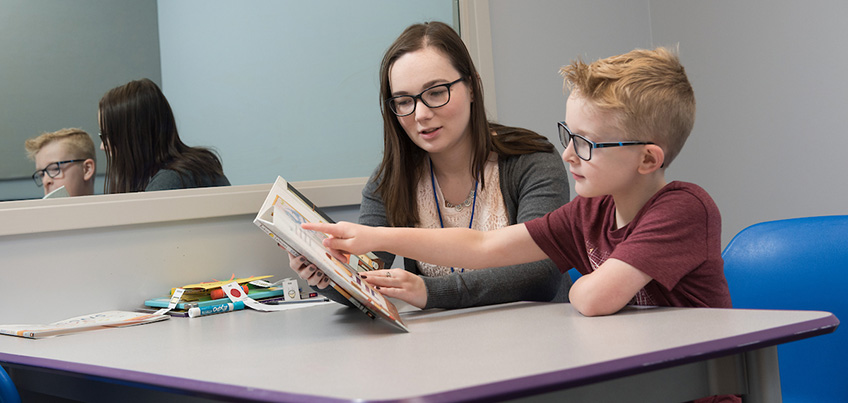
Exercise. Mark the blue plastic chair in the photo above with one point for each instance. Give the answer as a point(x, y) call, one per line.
point(8, 392)
point(798, 264)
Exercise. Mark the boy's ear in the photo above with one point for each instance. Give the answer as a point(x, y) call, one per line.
point(653, 158)
point(88, 169)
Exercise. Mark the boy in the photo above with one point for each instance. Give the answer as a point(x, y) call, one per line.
point(634, 237)
point(63, 158)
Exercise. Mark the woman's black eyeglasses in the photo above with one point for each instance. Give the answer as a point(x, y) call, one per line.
point(433, 97)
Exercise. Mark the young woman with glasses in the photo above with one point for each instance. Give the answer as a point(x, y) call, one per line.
point(143, 149)
point(445, 165)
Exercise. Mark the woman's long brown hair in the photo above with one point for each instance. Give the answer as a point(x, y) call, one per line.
point(139, 132)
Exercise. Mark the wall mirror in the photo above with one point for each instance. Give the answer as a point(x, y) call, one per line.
point(275, 87)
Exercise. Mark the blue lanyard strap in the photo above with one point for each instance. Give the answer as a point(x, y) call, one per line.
point(439, 210)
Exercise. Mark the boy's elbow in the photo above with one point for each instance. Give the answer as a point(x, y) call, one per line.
point(590, 303)
point(595, 308)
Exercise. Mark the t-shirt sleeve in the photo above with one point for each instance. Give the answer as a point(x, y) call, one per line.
point(555, 235)
point(670, 240)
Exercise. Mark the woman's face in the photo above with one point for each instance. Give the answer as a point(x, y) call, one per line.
point(440, 129)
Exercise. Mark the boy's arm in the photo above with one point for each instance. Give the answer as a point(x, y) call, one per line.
point(458, 247)
point(607, 289)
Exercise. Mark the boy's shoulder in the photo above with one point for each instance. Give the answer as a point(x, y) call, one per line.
point(674, 198)
point(680, 204)
point(685, 186)
point(675, 201)
point(684, 190)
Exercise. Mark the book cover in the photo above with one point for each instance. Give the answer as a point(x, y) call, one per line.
point(82, 323)
point(56, 193)
point(281, 215)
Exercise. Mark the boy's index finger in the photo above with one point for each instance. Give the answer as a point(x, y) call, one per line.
point(316, 226)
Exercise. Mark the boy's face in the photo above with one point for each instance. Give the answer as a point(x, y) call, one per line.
point(74, 176)
point(610, 171)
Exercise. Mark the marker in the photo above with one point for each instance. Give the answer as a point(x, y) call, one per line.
point(213, 309)
point(295, 301)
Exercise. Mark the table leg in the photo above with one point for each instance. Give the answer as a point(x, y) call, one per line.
point(763, 375)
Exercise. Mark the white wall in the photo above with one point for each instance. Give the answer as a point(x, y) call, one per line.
point(769, 79)
point(532, 39)
point(61, 258)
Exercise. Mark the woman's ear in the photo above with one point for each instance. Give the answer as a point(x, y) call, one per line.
point(471, 87)
point(88, 169)
point(653, 158)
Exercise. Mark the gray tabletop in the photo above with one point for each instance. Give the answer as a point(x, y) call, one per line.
point(332, 352)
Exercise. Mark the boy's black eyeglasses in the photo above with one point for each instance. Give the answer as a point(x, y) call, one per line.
point(433, 97)
point(52, 170)
point(583, 147)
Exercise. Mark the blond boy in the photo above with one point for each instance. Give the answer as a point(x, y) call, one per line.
point(63, 158)
point(636, 238)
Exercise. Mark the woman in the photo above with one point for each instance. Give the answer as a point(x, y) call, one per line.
point(445, 165)
point(143, 149)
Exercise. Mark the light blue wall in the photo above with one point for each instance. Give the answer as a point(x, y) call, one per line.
point(284, 88)
point(58, 58)
point(277, 87)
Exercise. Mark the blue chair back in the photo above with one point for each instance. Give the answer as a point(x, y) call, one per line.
point(8, 391)
point(798, 264)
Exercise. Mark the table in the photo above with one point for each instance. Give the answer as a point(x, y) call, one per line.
point(332, 353)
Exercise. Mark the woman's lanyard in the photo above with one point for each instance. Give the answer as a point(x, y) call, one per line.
point(439, 210)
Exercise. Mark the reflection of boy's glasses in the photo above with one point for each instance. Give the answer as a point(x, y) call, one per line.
point(583, 147)
point(433, 97)
point(52, 170)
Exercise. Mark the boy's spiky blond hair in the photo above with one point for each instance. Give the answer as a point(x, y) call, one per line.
point(77, 141)
point(646, 91)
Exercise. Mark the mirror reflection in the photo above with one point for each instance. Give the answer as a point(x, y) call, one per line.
point(143, 148)
point(274, 88)
point(64, 162)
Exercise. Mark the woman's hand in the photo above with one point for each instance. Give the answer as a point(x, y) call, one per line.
point(400, 284)
point(308, 271)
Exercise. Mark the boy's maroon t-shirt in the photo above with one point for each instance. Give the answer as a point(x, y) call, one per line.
point(675, 239)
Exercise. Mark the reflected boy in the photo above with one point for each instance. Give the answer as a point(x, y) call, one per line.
point(63, 158)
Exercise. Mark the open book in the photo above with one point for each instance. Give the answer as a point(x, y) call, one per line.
point(82, 323)
point(280, 217)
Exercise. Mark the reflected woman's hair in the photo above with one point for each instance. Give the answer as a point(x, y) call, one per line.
point(139, 135)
